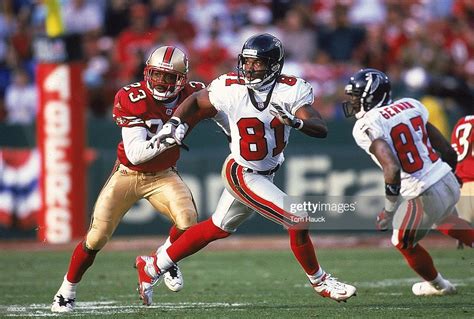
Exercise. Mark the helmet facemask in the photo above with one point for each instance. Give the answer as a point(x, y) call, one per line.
point(258, 79)
point(165, 86)
point(166, 72)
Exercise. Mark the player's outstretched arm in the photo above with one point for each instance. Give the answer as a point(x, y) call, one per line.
point(194, 102)
point(175, 129)
point(441, 145)
point(313, 123)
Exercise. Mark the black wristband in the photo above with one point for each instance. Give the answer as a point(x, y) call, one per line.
point(175, 121)
point(392, 189)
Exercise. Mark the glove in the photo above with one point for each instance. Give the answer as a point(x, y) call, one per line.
point(173, 132)
point(384, 220)
point(285, 117)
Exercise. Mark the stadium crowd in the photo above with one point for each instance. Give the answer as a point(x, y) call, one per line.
point(426, 47)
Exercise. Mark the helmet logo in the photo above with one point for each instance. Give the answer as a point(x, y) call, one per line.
point(373, 82)
point(250, 52)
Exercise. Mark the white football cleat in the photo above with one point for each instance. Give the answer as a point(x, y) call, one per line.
point(173, 278)
point(148, 275)
point(62, 304)
point(425, 288)
point(331, 288)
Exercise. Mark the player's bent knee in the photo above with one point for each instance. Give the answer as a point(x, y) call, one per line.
point(186, 219)
point(98, 235)
point(96, 241)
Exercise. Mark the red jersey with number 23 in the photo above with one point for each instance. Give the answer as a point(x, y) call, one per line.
point(462, 139)
point(402, 125)
point(258, 138)
point(135, 106)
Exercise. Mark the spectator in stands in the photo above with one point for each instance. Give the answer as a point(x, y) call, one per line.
point(20, 99)
point(82, 16)
point(341, 40)
point(298, 36)
point(134, 43)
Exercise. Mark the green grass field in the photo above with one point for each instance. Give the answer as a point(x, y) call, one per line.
point(239, 284)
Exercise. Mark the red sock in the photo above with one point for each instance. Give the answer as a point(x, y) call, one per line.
point(303, 250)
point(175, 233)
point(420, 261)
point(457, 228)
point(194, 239)
point(81, 259)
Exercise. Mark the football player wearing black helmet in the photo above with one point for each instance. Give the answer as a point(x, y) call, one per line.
point(367, 89)
point(261, 61)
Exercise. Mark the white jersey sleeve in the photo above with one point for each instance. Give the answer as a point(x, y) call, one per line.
point(293, 93)
point(217, 93)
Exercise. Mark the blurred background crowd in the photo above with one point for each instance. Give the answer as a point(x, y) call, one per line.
point(425, 46)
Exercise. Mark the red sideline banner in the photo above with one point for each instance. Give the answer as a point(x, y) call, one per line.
point(61, 135)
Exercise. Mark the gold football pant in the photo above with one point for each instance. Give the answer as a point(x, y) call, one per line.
point(165, 190)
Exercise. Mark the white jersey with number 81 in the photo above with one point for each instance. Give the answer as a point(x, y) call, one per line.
point(258, 138)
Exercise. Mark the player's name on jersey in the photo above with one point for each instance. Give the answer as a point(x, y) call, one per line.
point(392, 110)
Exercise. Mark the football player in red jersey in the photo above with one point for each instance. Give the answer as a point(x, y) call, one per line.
point(462, 139)
point(145, 167)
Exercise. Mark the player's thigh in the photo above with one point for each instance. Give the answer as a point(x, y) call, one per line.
point(259, 193)
point(172, 197)
point(410, 223)
point(465, 206)
point(415, 217)
point(230, 213)
point(114, 200)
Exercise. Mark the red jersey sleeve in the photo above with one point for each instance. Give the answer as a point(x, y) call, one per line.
point(129, 106)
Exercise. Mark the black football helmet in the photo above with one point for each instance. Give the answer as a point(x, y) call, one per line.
point(268, 48)
point(367, 89)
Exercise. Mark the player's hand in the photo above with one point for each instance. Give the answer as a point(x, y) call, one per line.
point(285, 117)
point(167, 134)
point(384, 220)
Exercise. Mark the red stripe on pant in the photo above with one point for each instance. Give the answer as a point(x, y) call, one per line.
point(243, 189)
point(406, 219)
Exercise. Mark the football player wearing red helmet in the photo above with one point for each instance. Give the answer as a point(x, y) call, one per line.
point(145, 168)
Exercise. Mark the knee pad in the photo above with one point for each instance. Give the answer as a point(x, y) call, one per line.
point(98, 235)
point(186, 219)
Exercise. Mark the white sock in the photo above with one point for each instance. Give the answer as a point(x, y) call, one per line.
point(439, 282)
point(68, 289)
point(164, 246)
point(163, 261)
point(316, 278)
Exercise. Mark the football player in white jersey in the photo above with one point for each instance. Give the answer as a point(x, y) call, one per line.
point(262, 106)
point(417, 162)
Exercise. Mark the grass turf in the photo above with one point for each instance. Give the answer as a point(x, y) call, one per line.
point(239, 284)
